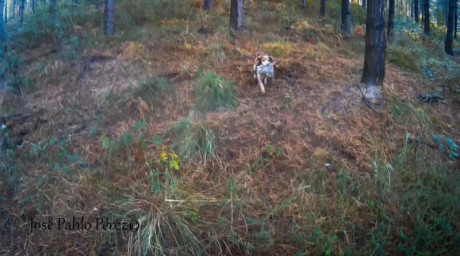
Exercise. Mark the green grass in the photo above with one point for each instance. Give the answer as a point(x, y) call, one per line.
point(214, 93)
point(191, 137)
point(153, 90)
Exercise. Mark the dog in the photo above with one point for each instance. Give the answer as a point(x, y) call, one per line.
point(264, 69)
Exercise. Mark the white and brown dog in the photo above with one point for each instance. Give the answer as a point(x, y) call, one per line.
point(264, 69)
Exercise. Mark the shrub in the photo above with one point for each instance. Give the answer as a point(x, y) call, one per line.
point(403, 59)
point(191, 137)
point(213, 93)
point(278, 49)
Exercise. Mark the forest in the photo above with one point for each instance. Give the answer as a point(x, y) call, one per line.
point(229, 127)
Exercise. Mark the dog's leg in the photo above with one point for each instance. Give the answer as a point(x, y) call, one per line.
point(265, 80)
point(255, 71)
point(261, 84)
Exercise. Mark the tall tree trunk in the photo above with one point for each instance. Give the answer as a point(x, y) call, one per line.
point(21, 12)
point(374, 57)
point(6, 12)
point(33, 6)
point(416, 11)
point(455, 21)
point(391, 18)
point(304, 5)
point(426, 17)
point(365, 4)
point(322, 8)
point(346, 19)
point(206, 5)
point(236, 14)
point(74, 3)
point(450, 28)
point(2, 30)
point(412, 16)
point(109, 17)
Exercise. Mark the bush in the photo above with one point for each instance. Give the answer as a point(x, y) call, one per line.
point(144, 11)
point(213, 93)
point(403, 59)
point(278, 49)
point(191, 137)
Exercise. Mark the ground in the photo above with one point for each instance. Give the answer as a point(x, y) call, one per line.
point(279, 161)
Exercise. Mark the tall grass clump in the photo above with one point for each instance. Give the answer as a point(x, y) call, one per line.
point(191, 137)
point(214, 93)
point(153, 90)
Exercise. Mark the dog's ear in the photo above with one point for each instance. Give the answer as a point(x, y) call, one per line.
point(258, 60)
point(271, 59)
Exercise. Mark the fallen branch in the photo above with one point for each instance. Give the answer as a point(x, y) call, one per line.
point(365, 100)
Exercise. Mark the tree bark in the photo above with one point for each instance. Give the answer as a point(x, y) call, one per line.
point(426, 17)
point(236, 14)
point(374, 57)
point(391, 22)
point(364, 4)
point(416, 11)
point(6, 13)
point(346, 19)
point(2, 33)
point(450, 28)
point(21, 12)
point(206, 5)
point(109, 17)
point(322, 9)
point(456, 21)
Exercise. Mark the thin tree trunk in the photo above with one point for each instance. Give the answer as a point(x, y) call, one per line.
point(2, 30)
point(236, 14)
point(33, 6)
point(206, 5)
point(426, 17)
point(374, 57)
point(109, 17)
point(412, 16)
point(304, 5)
point(6, 13)
point(391, 22)
point(450, 28)
point(364, 4)
point(21, 12)
point(416, 11)
point(322, 9)
point(346, 19)
point(456, 21)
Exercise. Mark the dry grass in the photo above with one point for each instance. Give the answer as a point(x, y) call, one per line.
point(321, 175)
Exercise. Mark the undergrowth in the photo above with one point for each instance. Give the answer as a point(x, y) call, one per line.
point(214, 93)
point(191, 137)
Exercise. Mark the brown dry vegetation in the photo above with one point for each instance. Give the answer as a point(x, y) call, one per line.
point(279, 158)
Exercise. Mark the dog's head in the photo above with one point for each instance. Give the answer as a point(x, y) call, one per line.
point(264, 60)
